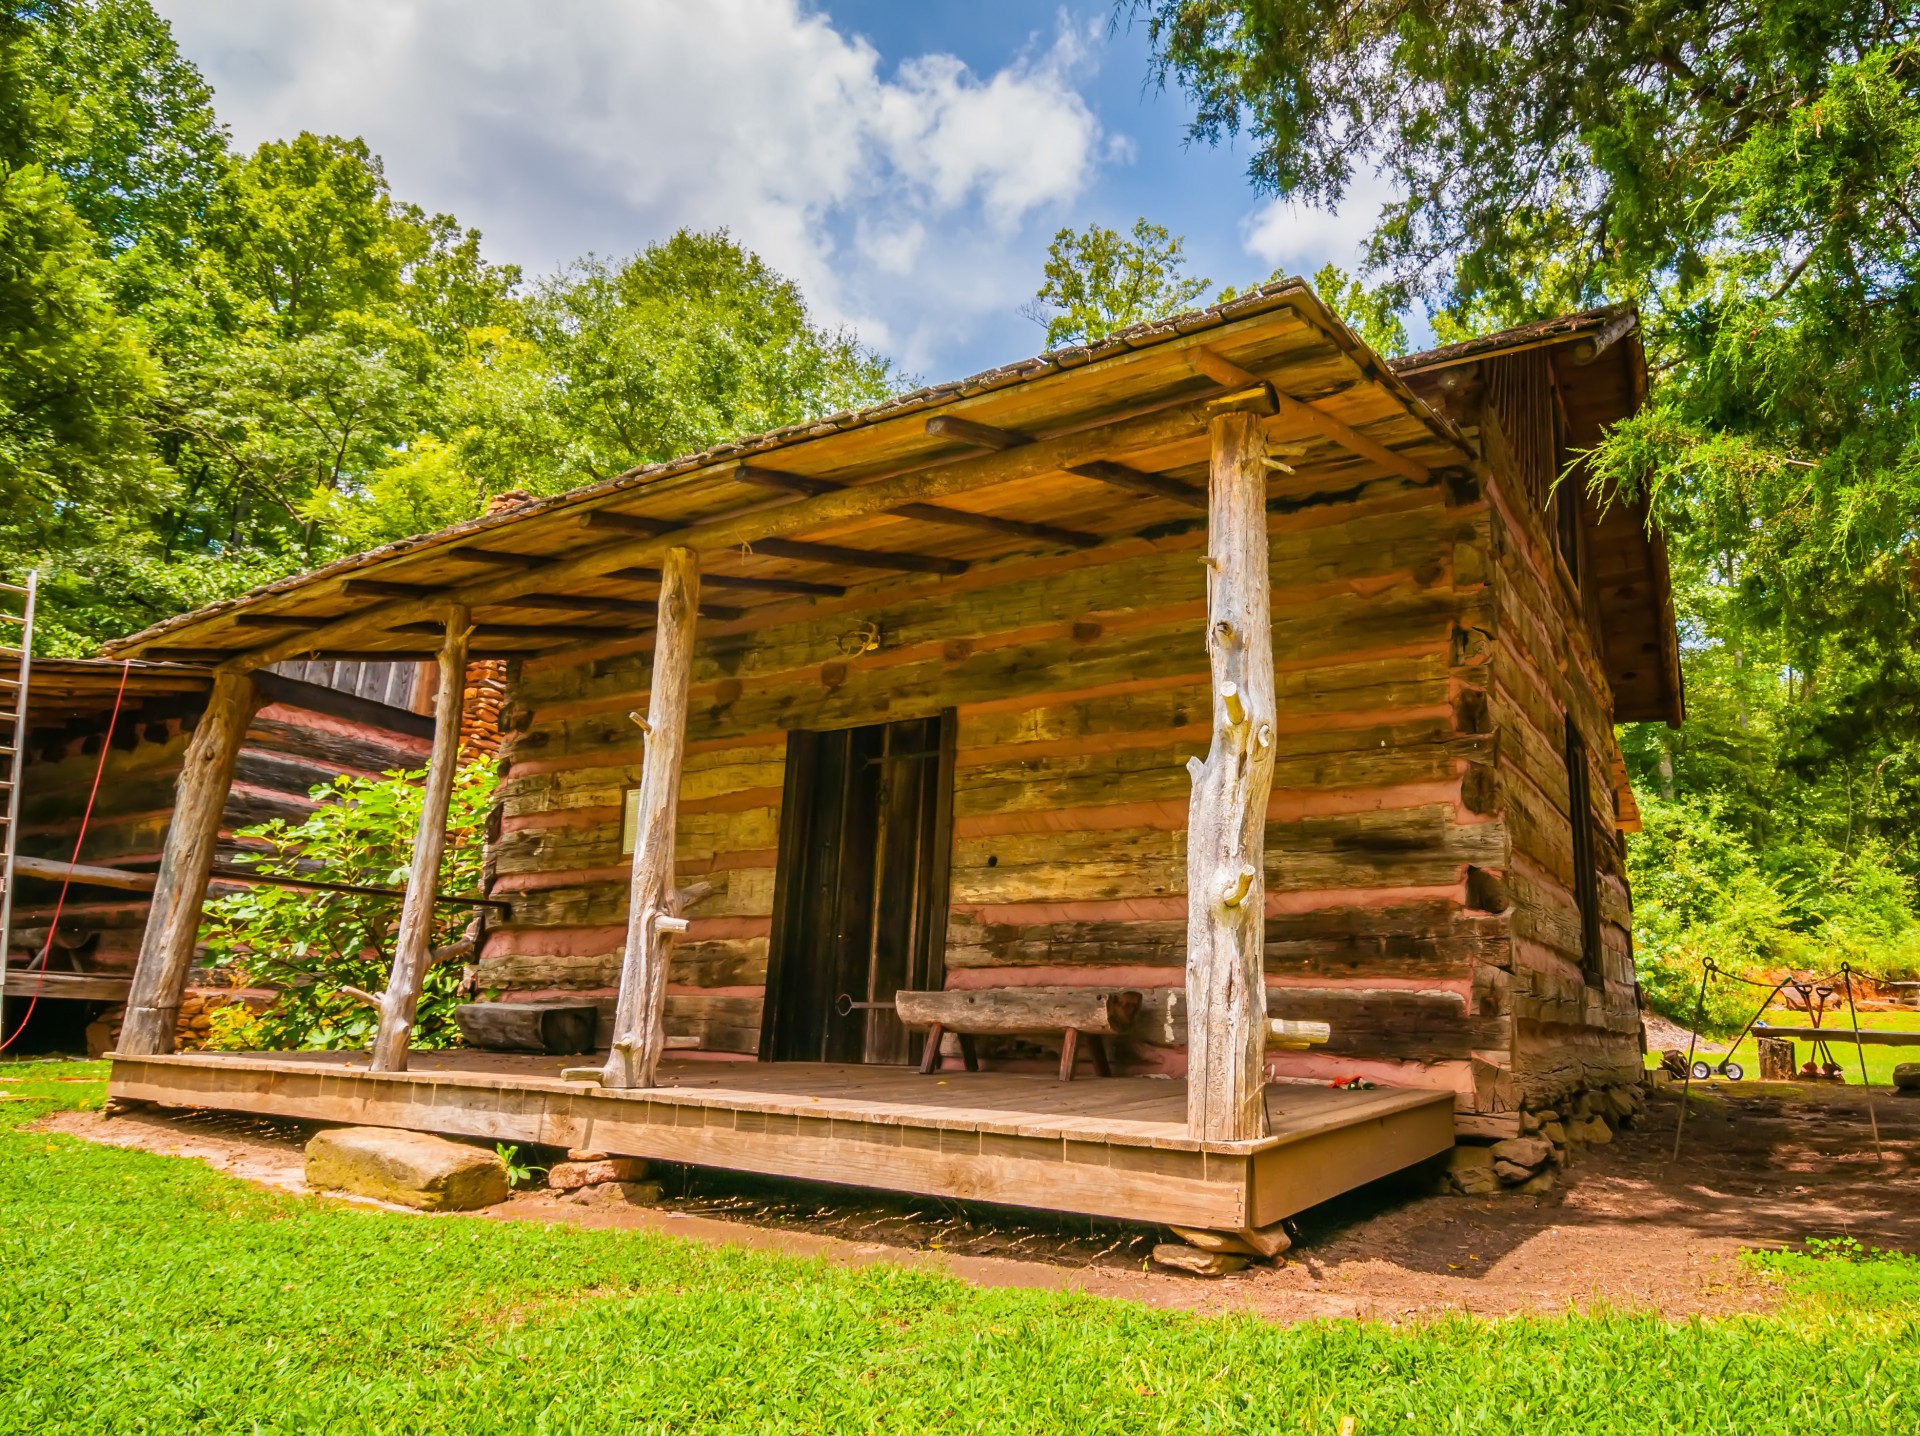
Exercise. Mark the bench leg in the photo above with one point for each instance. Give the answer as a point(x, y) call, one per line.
point(1097, 1050)
point(967, 1053)
point(1069, 1049)
point(930, 1053)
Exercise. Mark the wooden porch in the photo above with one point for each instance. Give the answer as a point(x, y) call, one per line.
point(1113, 1148)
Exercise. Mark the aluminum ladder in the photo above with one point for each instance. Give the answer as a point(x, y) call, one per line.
point(13, 747)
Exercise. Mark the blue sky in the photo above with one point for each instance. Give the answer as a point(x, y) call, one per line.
point(906, 162)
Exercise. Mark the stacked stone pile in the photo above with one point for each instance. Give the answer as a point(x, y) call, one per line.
point(1549, 1138)
point(480, 704)
point(598, 1179)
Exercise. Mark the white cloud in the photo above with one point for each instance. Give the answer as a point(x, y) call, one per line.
point(1299, 239)
point(897, 200)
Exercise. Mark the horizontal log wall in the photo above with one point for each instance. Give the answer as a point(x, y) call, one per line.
point(1080, 685)
point(1571, 1029)
point(288, 751)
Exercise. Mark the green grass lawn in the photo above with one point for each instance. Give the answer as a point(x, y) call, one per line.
point(1880, 1060)
point(145, 1293)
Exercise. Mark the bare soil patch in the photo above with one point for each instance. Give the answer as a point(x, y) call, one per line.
point(1760, 1165)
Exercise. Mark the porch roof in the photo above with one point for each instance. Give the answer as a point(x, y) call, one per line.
point(555, 575)
point(1075, 448)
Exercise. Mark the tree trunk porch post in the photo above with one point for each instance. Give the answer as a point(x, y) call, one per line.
point(413, 948)
point(654, 905)
point(186, 860)
point(1227, 815)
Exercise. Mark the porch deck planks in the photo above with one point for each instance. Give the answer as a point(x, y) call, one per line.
point(1115, 1148)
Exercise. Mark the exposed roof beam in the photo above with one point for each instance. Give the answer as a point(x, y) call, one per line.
point(927, 513)
point(986, 436)
point(1140, 482)
point(599, 603)
point(626, 523)
point(525, 630)
point(799, 586)
point(970, 431)
point(1618, 328)
point(828, 553)
point(857, 557)
point(386, 588)
point(930, 482)
point(499, 558)
point(1230, 375)
point(566, 602)
point(275, 620)
point(329, 655)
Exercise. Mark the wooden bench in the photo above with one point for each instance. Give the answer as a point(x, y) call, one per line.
point(1094, 1014)
point(550, 1027)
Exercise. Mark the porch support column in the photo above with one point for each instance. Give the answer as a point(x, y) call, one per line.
point(654, 905)
point(1227, 818)
point(186, 860)
point(413, 948)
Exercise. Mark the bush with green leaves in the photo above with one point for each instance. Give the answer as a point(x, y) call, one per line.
point(312, 945)
point(1702, 893)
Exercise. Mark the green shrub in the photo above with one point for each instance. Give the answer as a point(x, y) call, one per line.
point(1702, 894)
point(310, 945)
point(1699, 896)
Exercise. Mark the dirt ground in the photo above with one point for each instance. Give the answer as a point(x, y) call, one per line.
point(1760, 1165)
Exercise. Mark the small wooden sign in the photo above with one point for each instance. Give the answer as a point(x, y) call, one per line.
point(630, 821)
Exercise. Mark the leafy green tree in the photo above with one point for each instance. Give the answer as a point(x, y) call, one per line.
point(74, 376)
point(1098, 280)
point(1372, 313)
point(216, 369)
point(127, 123)
point(1748, 171)
point(687, 343)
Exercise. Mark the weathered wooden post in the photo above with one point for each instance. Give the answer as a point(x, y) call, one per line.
point(1227, 818)
point(413, 948)
point(654, 905)
point(173, 922)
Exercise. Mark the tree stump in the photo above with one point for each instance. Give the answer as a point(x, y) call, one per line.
point(1777, 1060)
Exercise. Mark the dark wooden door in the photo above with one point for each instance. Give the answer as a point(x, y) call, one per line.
point(860, 891)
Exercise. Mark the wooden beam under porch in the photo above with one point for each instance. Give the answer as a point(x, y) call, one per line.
point(1114, 1148)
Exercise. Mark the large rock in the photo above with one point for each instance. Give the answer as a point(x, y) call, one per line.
point(414, 1169)
point(1906, 1076)
point(1470, 1170)
point(1269, 1241)
point(1527, 1152)
point(1209, 1241)
point(1198, 1263)
point(1592, 1129)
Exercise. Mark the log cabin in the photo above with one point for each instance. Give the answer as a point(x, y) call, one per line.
point(1221, 665)
point(106, 743)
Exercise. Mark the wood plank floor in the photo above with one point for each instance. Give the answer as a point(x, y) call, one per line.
point(1111, 1147)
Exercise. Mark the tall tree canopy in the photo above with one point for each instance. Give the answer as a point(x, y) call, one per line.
point(1098, 280)
point(217, 367)
point(1749, 172)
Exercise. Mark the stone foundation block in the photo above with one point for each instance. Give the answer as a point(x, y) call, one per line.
point(571, 1176)
point(1196, 1262)
point(414, 1169)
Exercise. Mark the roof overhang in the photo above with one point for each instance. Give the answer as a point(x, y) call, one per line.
point(1600, 370)
point(1078, 448)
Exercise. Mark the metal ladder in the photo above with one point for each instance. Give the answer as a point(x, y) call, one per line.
point(13, 748)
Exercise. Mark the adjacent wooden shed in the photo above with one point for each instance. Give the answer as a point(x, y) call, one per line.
point(976, 690)
point(128, 726)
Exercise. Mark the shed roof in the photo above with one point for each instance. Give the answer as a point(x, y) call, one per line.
point(1599, 369)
